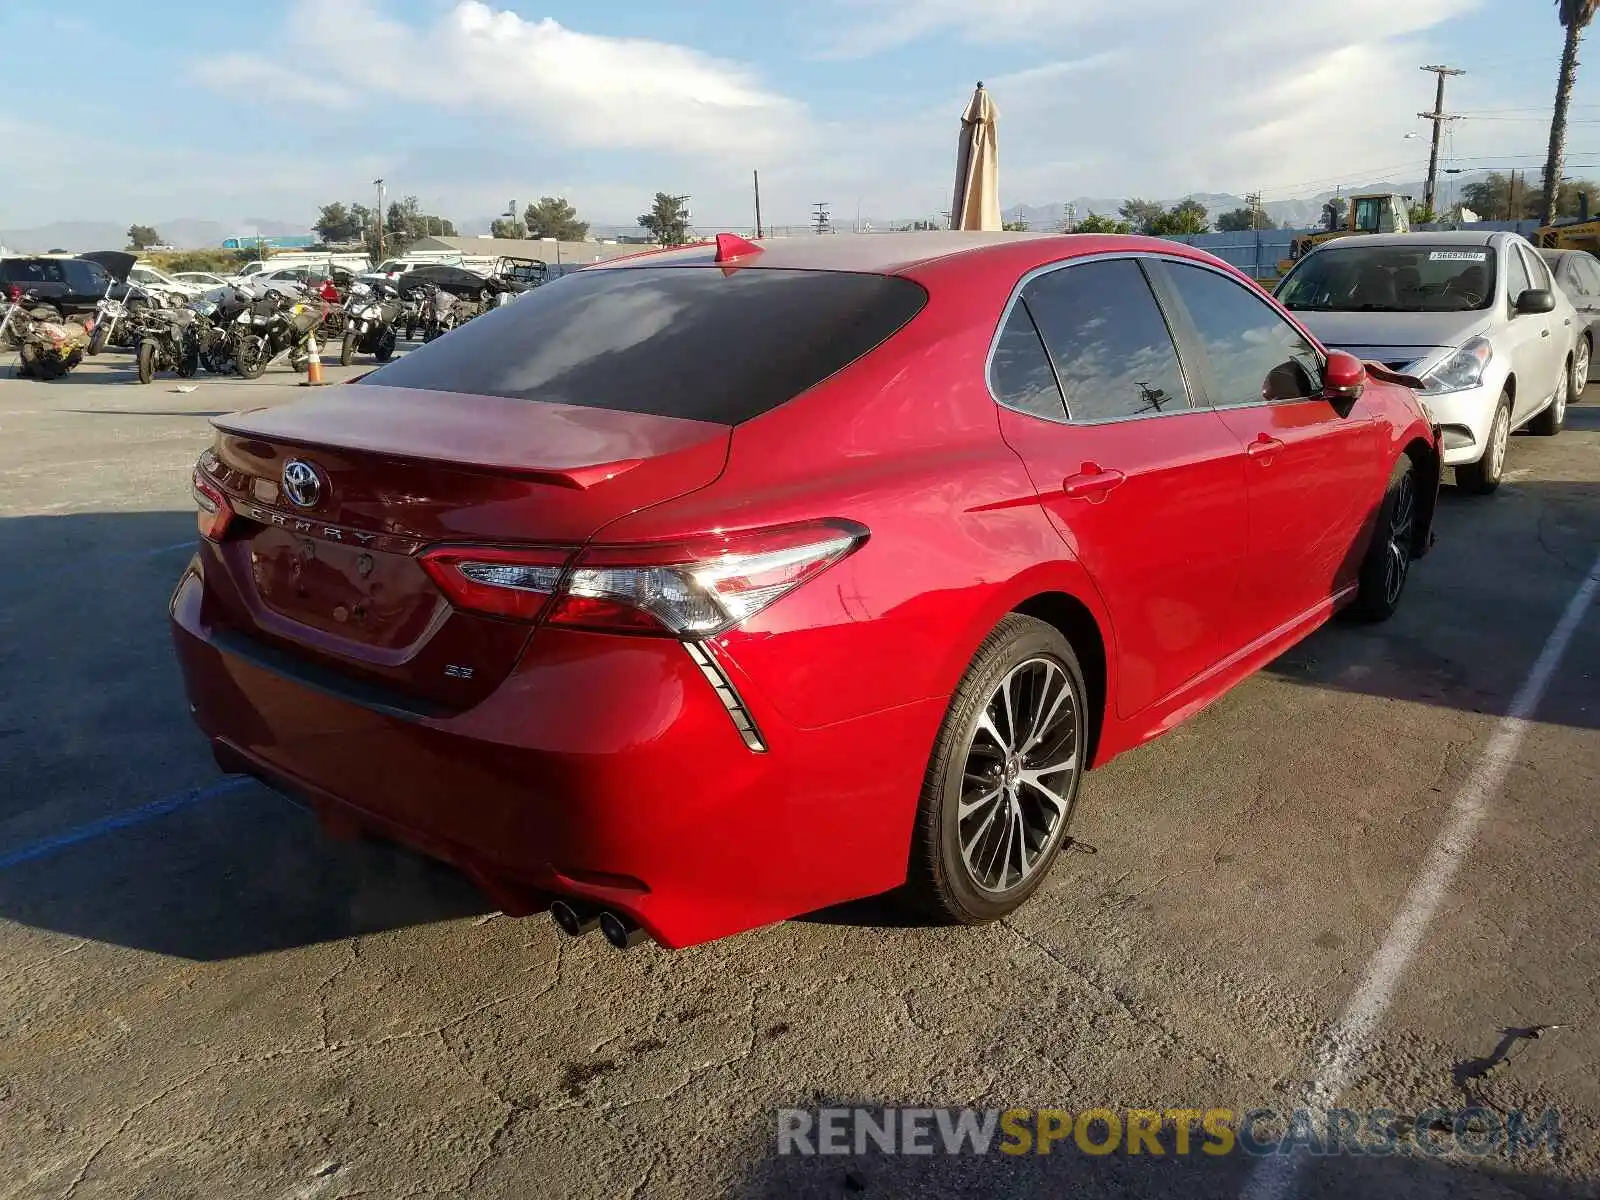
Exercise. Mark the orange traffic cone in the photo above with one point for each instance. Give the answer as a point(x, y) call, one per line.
point(314, 366)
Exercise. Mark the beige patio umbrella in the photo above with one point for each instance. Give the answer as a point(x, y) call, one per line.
point(977, 200)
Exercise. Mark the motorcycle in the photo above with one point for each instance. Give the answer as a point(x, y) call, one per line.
point(47, 345)
point(371, 314)
point(272, 328)
point(169, 340)
point(115, 316)
point(441, 312)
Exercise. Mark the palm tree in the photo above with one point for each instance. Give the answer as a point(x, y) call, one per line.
point(1575, 17)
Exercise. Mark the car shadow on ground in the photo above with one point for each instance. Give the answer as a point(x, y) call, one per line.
point(1477, 609)
point(94, 727)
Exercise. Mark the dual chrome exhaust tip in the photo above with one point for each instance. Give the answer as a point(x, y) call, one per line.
point(575, 918)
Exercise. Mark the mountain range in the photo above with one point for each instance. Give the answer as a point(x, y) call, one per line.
point(189, 233)
point(186, 233)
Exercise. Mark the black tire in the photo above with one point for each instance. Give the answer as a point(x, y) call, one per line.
point(1035, 662)
point(48, 367)
point(97, 339)
point(251, 358)
point(1483, 477)
point(147, 361)
point(384, 350)
point(347, 348)
point(27, 360)
point(1554, 418)
point(189, 360)
point(1387, 563)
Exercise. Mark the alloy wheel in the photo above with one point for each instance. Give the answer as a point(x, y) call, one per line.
point(1402, 526)
point(1019, 775)
point(1498, 436)
point(1580, 369)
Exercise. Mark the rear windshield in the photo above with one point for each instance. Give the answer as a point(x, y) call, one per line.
point(1424, 277)
point(693, 342)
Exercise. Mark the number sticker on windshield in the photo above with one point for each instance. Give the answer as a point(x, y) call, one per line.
point(1459, 256)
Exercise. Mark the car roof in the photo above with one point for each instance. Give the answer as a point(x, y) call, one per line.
point(899, 253)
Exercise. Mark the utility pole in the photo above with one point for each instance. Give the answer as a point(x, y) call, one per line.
point(756, 175)
point(379, 220)
point(820, 219)
point(1071, 218)
point(1438, 116)
point(1253, 202)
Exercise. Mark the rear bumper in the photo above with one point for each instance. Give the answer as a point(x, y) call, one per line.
point(604, 768)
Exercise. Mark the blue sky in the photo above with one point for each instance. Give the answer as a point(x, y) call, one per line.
point(228, 111)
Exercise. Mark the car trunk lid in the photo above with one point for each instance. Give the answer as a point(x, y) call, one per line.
point(336, 494)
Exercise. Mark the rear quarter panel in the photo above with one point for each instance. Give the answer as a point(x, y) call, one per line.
point(907, 442)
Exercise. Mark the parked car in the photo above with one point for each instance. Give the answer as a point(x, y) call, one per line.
point(1578, 275)
point(204, 280)
point(1475, 316)
point(170, 288)
point(71, 286)
point(711, 587)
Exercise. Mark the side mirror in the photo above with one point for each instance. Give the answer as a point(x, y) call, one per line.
point(1343, 381)
point(1535, 301)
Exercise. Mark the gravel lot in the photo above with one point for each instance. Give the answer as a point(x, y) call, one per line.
point(209, 998)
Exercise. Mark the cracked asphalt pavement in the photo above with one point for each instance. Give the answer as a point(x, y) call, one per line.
point(210, 998)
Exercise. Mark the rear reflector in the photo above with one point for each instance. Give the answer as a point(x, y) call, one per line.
point(214, 510)
point(689, 590)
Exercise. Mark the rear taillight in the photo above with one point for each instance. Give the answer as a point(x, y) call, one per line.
point(215, 511)
point(690, 590)
point(511, 583)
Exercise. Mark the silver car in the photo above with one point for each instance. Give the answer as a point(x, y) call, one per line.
point(1475, 316)
point(1577, 273)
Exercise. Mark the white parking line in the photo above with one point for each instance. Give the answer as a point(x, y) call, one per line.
point(1349, 1040)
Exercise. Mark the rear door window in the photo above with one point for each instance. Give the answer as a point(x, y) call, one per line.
point(1108, 341)
point(1020, 372)
point(693, 342)
point(1588, 274)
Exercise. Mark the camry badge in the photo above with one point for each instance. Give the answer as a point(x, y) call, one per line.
point(301, 483)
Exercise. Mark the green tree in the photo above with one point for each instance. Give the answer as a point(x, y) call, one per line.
point(1500, 197)
point(142, 237)
point(1421, 214)
point(668, 220)
point(1240, 220)
point(507, 227)
point(1014, 226)
point(1185, 217)
point(1142, 215)
point(338, 224)
point(553, 217)
point(1575, 16)
point(1333, 213)
point(1095, 223)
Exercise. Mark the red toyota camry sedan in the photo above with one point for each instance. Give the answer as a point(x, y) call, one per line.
point(710, 587)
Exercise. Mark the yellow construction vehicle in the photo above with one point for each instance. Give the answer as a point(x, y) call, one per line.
point(1375, 212)
point(1579, 234)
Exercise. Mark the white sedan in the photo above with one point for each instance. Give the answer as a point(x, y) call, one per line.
point(1475, 317)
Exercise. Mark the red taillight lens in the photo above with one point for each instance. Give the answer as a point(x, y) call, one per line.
point(690, 590)
point(513, 583)
point(15, 292)
point(699, 589)
point(215, 510)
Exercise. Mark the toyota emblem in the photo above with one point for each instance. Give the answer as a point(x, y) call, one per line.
point(301, 483)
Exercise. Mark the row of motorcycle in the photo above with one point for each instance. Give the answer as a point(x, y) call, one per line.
point(240, 331)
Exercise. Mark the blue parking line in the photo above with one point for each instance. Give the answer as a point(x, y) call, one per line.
point(122, 820)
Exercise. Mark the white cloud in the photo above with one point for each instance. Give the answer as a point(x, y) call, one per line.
point(574, 89)
point(241, 72)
